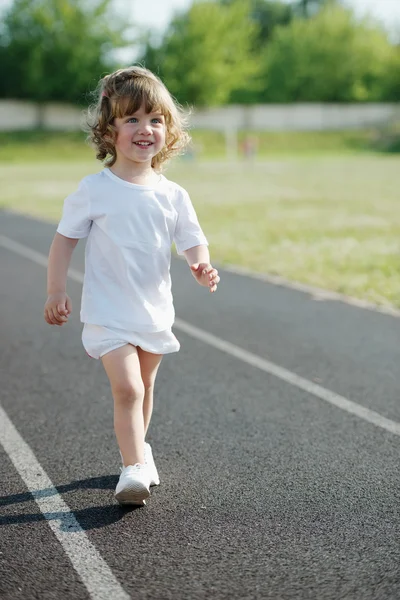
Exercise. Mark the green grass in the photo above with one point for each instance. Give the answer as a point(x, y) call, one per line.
point(48, 146)
point(213, 144)
point(330, 221)
point(43, 146)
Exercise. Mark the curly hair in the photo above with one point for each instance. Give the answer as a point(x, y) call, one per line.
point(122, 93)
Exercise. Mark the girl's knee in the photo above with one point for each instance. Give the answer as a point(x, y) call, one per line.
point(129, 391)
point(148, 383)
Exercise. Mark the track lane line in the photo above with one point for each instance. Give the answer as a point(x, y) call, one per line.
point(94, 572)
point(267, 366)
point(290, 377)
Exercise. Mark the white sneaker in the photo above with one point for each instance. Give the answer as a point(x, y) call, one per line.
point(133, 486)
point(150, 464)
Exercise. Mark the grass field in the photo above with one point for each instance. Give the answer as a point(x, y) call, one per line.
point(40, 146)
point(322, 218)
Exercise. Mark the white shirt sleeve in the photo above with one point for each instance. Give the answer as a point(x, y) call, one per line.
point(188, 232)
point(75, 221)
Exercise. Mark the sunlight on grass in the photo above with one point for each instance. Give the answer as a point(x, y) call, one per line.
point(331, 222)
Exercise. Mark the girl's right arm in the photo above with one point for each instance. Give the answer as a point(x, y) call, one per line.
point(58, 305)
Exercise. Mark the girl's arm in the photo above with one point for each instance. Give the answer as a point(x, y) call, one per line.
point(198, 259)
point(58, 305)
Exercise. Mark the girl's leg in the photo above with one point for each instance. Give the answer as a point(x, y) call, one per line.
point(124, 373)
point(149, 364)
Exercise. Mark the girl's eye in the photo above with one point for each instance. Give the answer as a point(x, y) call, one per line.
point(132, 120)
point(156, 120)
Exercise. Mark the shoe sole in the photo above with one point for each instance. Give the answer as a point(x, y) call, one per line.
point(136, 495)
point(155, 481)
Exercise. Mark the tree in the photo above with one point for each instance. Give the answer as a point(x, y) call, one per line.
point(267, 14)
point(391, 84)
point(328, 58)
point(206, 52)
point(308, 8)
point(56, 49)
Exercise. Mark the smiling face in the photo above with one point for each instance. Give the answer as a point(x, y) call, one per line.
point(139, 137)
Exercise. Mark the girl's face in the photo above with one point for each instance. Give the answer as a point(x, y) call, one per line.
point(140, 136)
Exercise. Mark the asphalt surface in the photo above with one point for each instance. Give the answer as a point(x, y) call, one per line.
point(266, 491)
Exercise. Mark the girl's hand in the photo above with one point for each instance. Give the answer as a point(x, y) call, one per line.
point(206, 275)
point(57, 309)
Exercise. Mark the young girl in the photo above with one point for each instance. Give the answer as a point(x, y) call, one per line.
point(130, 214)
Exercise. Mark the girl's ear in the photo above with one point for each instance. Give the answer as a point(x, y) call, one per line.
point(109, 137)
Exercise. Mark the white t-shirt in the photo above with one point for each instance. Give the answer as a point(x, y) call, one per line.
point(130, 230)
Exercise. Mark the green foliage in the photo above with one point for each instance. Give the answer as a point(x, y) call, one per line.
point(309, 8)
point(391, 79)
point(216, 52)
point(328, 58)
point(56, 49)
point(267, 14)
point(206, 52)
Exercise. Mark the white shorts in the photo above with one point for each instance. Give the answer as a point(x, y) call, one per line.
point(98, 340)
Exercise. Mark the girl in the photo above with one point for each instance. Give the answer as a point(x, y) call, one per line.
point(130, 214)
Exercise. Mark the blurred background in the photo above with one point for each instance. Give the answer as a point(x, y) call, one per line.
point(295, 119)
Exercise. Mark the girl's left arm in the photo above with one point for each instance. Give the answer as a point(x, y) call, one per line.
point(198, 259)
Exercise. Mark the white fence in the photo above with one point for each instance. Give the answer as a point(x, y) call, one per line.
point(297, 117)
point(19, 115)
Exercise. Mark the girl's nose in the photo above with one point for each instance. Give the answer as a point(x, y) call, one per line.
point(145, 128)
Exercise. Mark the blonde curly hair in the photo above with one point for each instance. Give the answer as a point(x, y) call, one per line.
point(122, 93)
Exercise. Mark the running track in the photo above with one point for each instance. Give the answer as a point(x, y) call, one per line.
point(276, 433)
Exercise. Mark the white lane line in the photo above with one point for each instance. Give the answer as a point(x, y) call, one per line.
point(295, 380)
point(247, 357)
point(34, 256)
point(93, 570)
